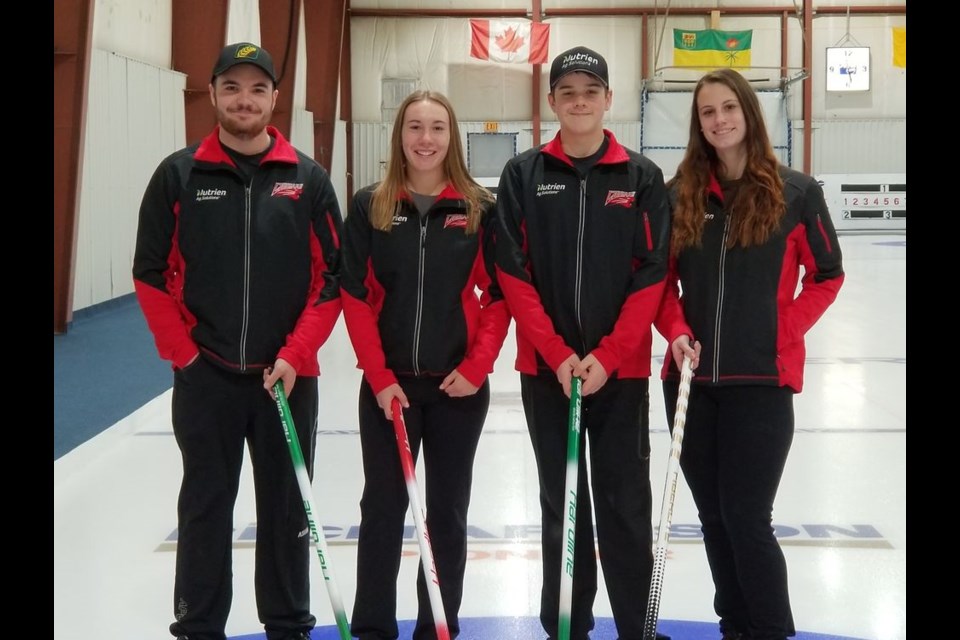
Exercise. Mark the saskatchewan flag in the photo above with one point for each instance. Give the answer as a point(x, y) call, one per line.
point(710, 48)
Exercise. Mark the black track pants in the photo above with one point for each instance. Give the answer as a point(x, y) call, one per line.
point(448, 430)
point(214, 413)
point(735, 446)
point(615, 420)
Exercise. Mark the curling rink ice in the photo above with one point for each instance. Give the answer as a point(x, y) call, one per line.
point(840, 514)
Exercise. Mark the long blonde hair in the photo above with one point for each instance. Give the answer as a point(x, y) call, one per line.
point(758, 206)
point(384, 202)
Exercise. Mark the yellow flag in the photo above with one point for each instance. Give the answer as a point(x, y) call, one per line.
point(900, 47)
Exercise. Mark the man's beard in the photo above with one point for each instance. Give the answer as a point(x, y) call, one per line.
point(248, 130)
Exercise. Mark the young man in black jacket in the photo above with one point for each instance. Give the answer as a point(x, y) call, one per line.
point(237, 271)
point(581, 258)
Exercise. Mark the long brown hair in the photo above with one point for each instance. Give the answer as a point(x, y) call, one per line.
point(758, 206)
point(385, 196)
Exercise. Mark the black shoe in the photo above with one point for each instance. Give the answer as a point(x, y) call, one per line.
point(733, 635)
point(662, 636)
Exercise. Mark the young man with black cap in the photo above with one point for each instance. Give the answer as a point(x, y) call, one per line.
point(582, 257)
point(237, 271)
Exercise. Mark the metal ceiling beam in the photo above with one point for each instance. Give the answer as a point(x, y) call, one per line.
point(199, 31)
point(72, 41)
point(280, 34)
point(325, 25)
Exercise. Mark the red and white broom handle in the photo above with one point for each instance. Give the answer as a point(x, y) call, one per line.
point(423, 536)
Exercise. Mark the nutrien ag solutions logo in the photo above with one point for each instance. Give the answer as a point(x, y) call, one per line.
point(210, 194)
point(579, 57)
point(550, 189)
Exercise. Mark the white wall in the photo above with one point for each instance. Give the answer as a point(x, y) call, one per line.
point(435, 51)
point(243, 21)
point(887, 97)
point(137, 29)
point(134, 119)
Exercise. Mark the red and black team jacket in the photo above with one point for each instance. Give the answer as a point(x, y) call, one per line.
point(582, 259)
point(741, 303)
point(244, 273)
point(409, 295)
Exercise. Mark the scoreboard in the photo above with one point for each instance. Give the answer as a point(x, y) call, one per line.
point(866, 202)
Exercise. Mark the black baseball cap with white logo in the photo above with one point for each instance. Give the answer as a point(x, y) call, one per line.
point(579, 59)
point(244, 53)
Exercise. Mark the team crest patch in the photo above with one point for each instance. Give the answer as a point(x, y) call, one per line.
point(290, 190)
point(620, 198)
point(456, 220)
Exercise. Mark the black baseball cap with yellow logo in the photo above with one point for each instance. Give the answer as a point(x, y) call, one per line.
point(244, 53)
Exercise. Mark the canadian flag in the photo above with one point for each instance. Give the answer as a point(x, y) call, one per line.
point(509, 41)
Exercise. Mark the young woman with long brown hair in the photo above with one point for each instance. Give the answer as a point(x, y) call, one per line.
point(744, 227)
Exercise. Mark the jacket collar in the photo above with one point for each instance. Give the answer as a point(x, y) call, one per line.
point(616, 153)
point(210, 149)
point(714, 188)
point(449, 193)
